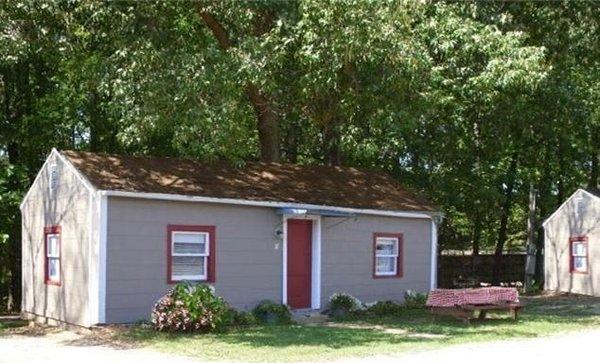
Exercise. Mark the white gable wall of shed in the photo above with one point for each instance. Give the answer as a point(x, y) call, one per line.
point(579, 216)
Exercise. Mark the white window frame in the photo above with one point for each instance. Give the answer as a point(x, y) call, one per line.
point(575, 255)
point(396, 242)
point(55, 256)
point(206, 255)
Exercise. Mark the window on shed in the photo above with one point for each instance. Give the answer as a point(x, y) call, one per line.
point(388, 255)
point(579, 254)
point(52, 255)
point(191, 253)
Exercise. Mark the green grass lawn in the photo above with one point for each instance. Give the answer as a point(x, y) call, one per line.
point(411, 330)
point(5, 325)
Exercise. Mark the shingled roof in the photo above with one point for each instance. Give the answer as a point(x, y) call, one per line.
point(255, 181)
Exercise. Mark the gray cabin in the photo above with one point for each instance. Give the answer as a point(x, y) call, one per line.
point(105, 236)
point(572, 245)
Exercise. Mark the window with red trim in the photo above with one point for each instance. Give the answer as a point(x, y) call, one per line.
point(387, 255)
point(578, 247)
point(191, 253)
point(52, 255)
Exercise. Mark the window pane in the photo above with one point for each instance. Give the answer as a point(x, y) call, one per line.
point(52, 250)
point(386, 264)
point(54, 269)
point(194, 248)
point(386, 247)
point(580, 263)
point(189, 237)
point(189, 266)
point(579, 249)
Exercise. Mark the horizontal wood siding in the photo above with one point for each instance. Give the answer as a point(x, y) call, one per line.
point(348, 257)
point(248, 253)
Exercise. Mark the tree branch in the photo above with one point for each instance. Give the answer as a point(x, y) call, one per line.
point(268, 119)
point(217, 29)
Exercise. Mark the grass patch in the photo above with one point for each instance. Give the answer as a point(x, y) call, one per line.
point(10, 324)
point(360, 337)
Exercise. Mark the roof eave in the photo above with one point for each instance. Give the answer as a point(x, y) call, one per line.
point(425, 214)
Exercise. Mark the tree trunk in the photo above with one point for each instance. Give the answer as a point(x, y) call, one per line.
point(268, 125)
point(503, 230)
point(331, 142)
point(594, 181)
point(14, 239)
point(267, 117)
point(476, 237)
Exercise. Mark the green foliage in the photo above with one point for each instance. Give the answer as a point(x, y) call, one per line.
point(190, 308)
point(270, 312)
point(383, 308)
point(446, 96)
point(240, 318)
point(414, 300)
point(342, 304)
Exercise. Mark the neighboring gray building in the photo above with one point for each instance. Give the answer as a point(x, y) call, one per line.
point(105, 236)
point(572, 245)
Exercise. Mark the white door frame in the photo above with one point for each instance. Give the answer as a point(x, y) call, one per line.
point(315, 293)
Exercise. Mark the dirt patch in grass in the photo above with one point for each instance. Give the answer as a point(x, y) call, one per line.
point(382, 328)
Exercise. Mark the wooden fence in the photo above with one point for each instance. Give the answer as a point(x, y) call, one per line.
point(479, 269)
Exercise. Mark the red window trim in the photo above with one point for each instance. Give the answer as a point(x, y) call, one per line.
point(52, 230)
point(400, 264)
point(583, 239)
point(211, 275)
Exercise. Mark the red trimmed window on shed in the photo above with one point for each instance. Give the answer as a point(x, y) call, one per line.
point(387, 255)
point(190, 253)
point(52, 254)
point(578, 254)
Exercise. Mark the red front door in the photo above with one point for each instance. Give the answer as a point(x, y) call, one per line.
point(299, 261)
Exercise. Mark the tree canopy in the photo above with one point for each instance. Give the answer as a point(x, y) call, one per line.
point(468, 102)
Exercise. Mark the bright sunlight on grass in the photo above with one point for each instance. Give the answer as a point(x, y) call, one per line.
point(411, 330)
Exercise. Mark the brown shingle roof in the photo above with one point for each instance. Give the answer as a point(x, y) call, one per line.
point(320, 185)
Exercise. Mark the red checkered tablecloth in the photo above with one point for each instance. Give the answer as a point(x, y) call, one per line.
point(481, 296)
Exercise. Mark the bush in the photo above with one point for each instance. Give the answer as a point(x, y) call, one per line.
point(241, 318)
point(188, 307)
point(382, 308)
point(341, 304)
point(270, 312)
point(414, 300)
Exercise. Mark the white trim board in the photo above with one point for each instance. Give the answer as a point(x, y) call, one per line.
point(92, 266)
point(189, 198)
point(567, 201)
point(102, 246)
point(315, 283)
point(434, 257)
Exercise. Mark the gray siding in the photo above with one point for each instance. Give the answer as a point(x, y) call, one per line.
point(347, 257)
point(248, 254)
point(67, 207)
point(559, 228)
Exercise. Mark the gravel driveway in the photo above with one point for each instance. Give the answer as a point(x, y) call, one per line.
point(68, 347)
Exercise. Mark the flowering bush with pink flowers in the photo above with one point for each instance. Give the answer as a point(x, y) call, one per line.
point(190, 308)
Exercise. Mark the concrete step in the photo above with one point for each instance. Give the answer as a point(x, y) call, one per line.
point(309, 317)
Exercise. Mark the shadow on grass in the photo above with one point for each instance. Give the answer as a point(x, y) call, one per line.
point(283, 336)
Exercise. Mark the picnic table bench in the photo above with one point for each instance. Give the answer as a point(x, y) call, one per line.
point(467, 304)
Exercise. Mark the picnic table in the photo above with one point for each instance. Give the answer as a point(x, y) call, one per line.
point(465, 304)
